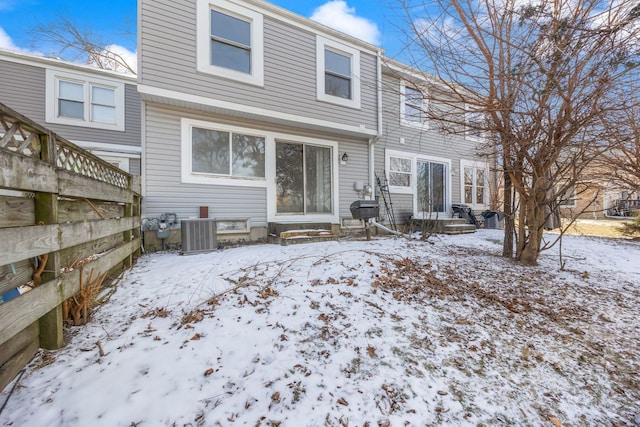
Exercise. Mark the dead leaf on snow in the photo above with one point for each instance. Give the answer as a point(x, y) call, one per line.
point(556, 422)
point(193, 317)
point(371, 351)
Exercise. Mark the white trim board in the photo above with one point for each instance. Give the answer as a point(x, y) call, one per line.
point(260, 113)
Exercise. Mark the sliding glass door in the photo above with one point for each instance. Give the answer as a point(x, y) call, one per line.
point(432, 186)
point(303, 179)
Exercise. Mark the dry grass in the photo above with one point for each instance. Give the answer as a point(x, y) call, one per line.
point(601, 227)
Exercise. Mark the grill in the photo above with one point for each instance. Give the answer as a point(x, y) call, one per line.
point(365, 209)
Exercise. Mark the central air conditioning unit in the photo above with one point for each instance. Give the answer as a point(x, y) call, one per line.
point(198, 235)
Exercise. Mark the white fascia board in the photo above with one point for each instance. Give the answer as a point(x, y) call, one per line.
point(64, 66)
point(262, 113)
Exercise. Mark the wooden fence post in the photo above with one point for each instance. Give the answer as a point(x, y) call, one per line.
point(46, 212)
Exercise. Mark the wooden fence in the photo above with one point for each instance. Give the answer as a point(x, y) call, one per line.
point(55, 199)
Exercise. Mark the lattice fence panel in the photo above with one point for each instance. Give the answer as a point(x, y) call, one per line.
point(75, 160)
point(19, 137)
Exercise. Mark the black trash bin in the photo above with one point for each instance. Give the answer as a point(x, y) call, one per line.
point(493, 219)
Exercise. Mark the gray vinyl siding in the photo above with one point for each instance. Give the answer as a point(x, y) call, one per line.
point(22, 87)
point(135, 167)
point(356, 169)
point(166, 193)
point(168, 54)
point(428, 142)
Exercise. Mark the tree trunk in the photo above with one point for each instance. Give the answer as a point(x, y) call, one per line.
point(509, 220)
point(533, 229)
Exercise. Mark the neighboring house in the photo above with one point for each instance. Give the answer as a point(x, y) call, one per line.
point(98, 110)
point(258, 117)
point(599, 194)
point(427, 170)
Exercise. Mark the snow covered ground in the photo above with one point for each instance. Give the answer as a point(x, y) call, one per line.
point(352, 333)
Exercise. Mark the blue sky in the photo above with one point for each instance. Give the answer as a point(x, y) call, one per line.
point(373, 20)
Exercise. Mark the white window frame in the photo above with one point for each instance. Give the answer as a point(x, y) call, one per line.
point(52, 87)
point(323, 43)
point(447, 201)
point(469, 134)
point(413, 188)
point(475, 165)
point(203, 24)
point(189, 176)
point(572, 201)
point(403, 106)
point(388, 154)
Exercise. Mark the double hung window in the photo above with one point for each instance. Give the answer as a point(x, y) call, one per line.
point(413, 106)
point(474, 183)
point(230, 41)
point(476, 122)
point(338, 73)
point(80, 100)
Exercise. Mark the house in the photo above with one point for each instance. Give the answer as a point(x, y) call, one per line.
point(427, 170)
point(266, 121)
point(98, 110)
point(601, 191)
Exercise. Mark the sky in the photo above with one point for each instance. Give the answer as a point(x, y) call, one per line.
point(390, 332)
point(114, 21)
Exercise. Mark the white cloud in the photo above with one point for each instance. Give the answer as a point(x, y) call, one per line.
point(113, 57)
point(338, 15)
point(131, 58)
point(5, 41)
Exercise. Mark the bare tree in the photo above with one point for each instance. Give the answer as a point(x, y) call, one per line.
point(68, 39)
point(622, 164)
point(544, 75)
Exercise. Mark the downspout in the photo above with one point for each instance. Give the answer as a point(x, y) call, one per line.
point(372, 141)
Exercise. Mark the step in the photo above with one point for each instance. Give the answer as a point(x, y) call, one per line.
point(293, 237)
point(459, 229)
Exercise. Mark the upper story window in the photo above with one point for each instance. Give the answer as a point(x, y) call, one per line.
point(413, 106)
point(79, 100)
point(476, 122)
point(230, 41)
point(338, 73)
